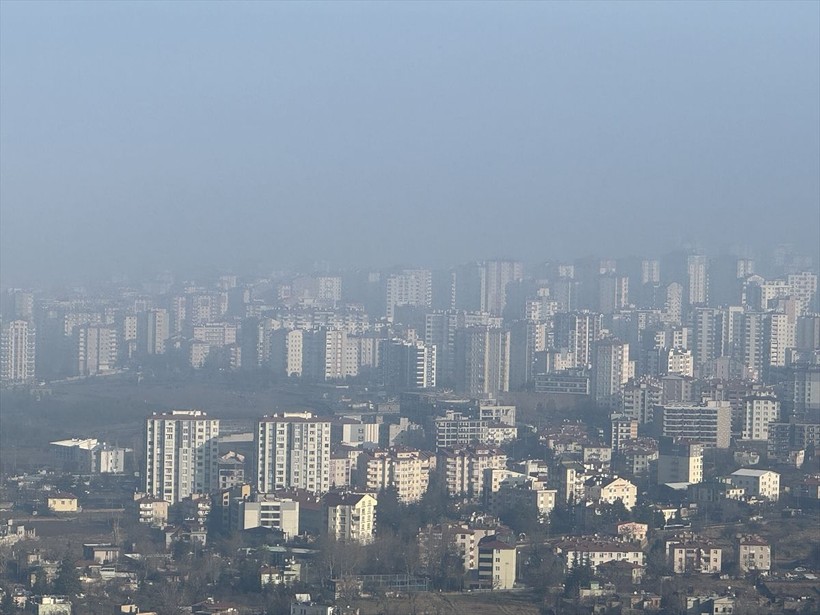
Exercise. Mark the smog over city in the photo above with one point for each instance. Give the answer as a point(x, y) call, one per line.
point(336, 308)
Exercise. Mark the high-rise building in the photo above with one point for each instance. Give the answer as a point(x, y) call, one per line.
point(754, 358)
point(95, 348)
point(758, 412)
point(578, 332)
point(495, 277)
point(698, 270)
point(410, 287)
point(408, 365)
point(293, 452)
point(610, 372)
point(463, 468)
point(482, 362)
point(803, 287)
point(17, 352)
point(153, 331)
point(707, 340)
point(181, 454)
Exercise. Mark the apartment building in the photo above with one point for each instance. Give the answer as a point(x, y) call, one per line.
point(181, 454)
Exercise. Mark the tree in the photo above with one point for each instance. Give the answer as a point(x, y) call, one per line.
point(40, 585)
point(67, 582)
point(580, 576)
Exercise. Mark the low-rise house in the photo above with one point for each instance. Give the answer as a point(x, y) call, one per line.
point(101, 553)
point(50, 605)
point(754, 554)
point(715, 491)
point(12, 533)
point(287, 574)
point(760, 483)
point(62, 502)
point(710, 605)
point(621, 573)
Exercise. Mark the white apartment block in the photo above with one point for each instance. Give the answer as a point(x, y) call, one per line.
point(698, 268)
point(17, 352)
point(759, 483)
point(781, 330)
point(803, 287)
point(495, 275)
point(593, 553)
point(611, 370)
point(679, 361)
point(709, 423)
point(90, 456)
point(293, 452)
point(410, 287)
point(153, 331)
point(263, 510)
point(758, 413)
point(95, 349)
point(181, 454)
point(217, 334)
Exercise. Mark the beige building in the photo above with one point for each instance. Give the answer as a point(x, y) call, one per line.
point(62, 502)
point(406, 470)
point(760, 483)
point(610, 490)
point(463, 468)
point(151, 511)
point(754, 554)
point(496, 564)
point(504, 488)
point(351, 517)
point(689, 555)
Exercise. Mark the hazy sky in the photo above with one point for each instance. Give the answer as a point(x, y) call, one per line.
point(136, 136)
